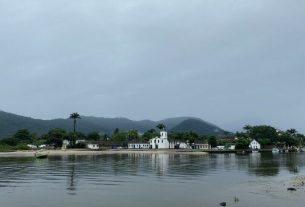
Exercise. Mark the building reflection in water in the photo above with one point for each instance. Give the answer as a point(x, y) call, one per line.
point(159, 163)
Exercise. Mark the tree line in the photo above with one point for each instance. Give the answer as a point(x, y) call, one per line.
point(267, 136)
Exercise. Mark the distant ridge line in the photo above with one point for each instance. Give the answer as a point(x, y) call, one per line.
point(10, 123)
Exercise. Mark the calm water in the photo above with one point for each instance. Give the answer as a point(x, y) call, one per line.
point(164, 180)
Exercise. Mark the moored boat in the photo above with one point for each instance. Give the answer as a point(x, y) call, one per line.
point(275, 150)
point(41, 154)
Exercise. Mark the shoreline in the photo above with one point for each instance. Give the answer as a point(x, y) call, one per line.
point(29, 153)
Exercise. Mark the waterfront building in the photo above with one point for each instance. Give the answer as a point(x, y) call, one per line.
point(138, 146)
point(160, 142)
point(231, 147)
point(92, 145)
point(254, 145)
point(65, 144)
point(220, 147)
point(179, 145)
point(201, 146)
point(32, 146)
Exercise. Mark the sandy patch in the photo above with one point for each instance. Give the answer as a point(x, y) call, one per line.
point(91, 152)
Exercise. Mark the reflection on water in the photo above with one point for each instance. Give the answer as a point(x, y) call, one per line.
point(141, 179)
point(72, 182)
point(263, 164)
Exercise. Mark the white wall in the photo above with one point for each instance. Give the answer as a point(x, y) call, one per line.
point(254, 145)
point(92, 146)
point(138, 146)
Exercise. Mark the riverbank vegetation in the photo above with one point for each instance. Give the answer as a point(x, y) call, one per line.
point(267, 136)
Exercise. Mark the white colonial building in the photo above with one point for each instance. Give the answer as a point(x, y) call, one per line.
point(93, 146)
point(159, 142)
point(138, 146)
point(254, 145)
point(179, 145)
point(201, 146)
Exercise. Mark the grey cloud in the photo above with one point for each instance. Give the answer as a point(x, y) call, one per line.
point(229, 62)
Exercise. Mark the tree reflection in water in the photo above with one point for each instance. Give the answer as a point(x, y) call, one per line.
point(263, 164)
point(71, 184)
point(291, 162)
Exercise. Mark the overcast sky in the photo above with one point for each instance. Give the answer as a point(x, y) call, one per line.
point(229, 62)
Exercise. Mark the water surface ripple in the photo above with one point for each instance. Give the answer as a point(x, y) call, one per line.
point(151, 180)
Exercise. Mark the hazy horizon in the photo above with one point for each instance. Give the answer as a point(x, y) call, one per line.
point(229, 62)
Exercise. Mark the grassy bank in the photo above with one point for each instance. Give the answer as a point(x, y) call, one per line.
point(8, 148)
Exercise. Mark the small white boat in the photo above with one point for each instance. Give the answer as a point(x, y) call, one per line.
point(41, 154)
point(275, 150)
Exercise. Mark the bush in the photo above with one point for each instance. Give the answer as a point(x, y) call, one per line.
point(22, 147)
point(5, 147)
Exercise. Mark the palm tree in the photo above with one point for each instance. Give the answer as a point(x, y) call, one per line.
point(247, 127)
point(161, 126)
point(74, 116)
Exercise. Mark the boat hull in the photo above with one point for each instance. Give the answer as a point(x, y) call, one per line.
point(41, 154)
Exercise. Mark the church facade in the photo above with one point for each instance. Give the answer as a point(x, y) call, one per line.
point(159, 142)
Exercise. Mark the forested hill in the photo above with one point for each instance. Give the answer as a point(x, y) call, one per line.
point(199, 126)
point(10, 123)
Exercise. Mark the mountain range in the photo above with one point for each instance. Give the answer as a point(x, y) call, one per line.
point(10, 123)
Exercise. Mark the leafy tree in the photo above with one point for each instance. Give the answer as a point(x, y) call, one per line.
point(80, 135)
point(265, 135)
point(192, 137)
point(152, 133)
point(242, 143)
point(291, 138)
point(212, 141)
point(56, 136)
point(74, 116)
point(120, 138)
point(263, 132)
point(133, 135)
point(300, 138)
point(242, 135)
point(9, 141)
point(93, 136)
point(292, 131)
point(24, 135)
point(72, 137)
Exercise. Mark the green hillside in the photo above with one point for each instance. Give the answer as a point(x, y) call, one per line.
point(198, 126)
point(10, 123)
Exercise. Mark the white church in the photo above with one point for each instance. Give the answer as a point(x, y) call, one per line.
point(160, 142)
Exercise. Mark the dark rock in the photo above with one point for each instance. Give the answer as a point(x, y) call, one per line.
point(223, 204)
point(291, 189)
